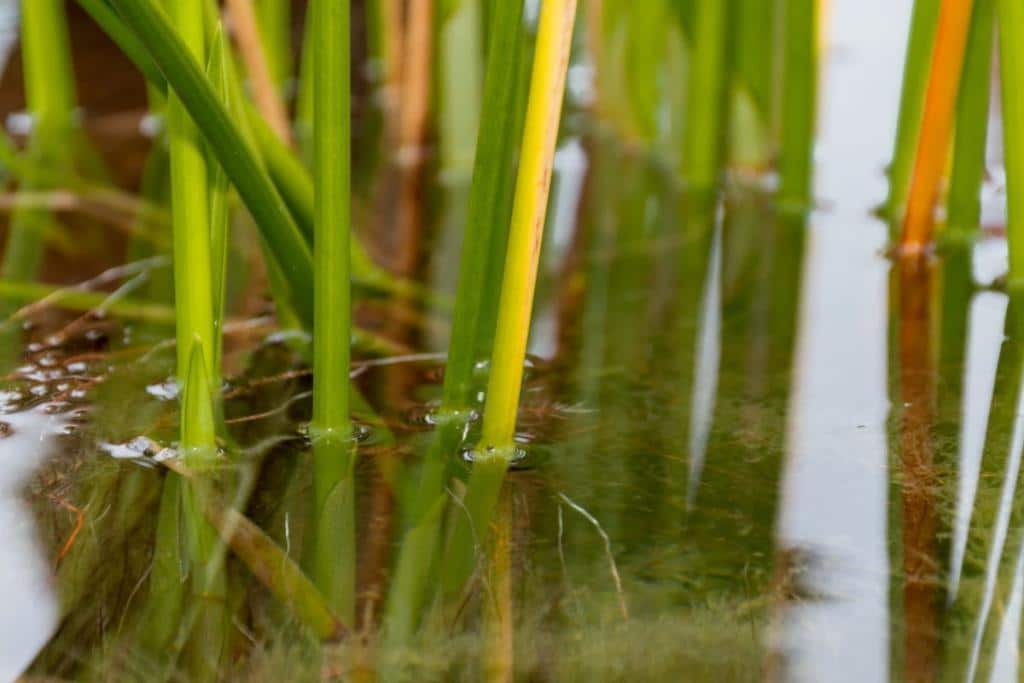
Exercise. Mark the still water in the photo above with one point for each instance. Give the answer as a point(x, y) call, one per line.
point(756, 451)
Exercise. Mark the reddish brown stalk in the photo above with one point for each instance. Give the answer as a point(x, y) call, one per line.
point(415, 84)
point(378, 532)
point(498, 655)
point(917, 461)
point(394, 40)
point(403, 258)
point(268, 100)
point(937, 126)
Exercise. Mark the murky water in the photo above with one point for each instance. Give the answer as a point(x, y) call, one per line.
point(756, 450)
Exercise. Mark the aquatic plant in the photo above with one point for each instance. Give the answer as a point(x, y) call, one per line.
point(496, 449)
point(799, 98)
point(963, 211)
point(234, 174)
point(1010, 19)
point(476, 305)
point(920, 40)
point(704, 130)
point(51, 101)
point(332, 542)
point(944, 80)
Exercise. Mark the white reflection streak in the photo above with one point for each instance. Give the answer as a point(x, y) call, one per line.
point(570, 169)
point(1007, 656)
point(30, 610)
point(999, 533)
point(708, 354)
point(985, 336)
point(835, 483)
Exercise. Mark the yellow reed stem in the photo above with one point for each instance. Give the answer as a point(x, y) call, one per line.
point(543, 113)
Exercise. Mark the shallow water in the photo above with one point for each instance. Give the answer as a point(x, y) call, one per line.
point(755, 448)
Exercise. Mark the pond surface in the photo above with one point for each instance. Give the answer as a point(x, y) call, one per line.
point(756, 449)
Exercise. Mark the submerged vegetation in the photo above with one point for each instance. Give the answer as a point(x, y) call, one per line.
point(320, 350)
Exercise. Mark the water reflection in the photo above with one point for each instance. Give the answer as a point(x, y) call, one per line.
point(779, 479)
point(30, 612)
point(985, 336)
point(835, 491)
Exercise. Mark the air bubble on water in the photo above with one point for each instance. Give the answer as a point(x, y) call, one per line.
point(167, 390)
point(9, 400)
point(54, 407)
point(138, 448)
point(433, 415)
point(472, 455)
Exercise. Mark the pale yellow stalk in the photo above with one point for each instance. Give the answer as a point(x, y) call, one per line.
point(543, 113)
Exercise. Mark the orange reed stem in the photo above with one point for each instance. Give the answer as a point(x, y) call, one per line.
point(937, 126)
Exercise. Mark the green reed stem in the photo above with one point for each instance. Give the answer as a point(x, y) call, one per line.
point(704, 129)
point(199, 616)
point(166, 591)
point(49, 78)
point(304, 92)
point(753, 87)
point(274, 18)
point(275, 570)
point(647, 42)
point(908, 127)
point(295, 184)
point(497, 447)
point(219, 205)
point(190, 204)
point(972, 112)
point(490, 206)
point(286, 171)
point(333, 219)
point(50, 94)
point(799, 103)
point(460, 83)
point(332, 563)
point(1010, 18)
point(476, 302)
point(125, 39)
point(233, 152)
